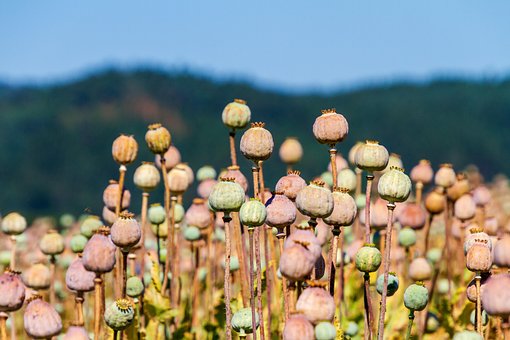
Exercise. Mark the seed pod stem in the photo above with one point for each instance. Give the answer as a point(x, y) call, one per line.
point(145, 203)
point(340, 276)
point(122, 176)
point(332, 156)
point(419, 190)
point(98, 297)
point(370, 179)
point(79, 308)
point(332, 259)
point(53, 261)
point(226, 287)
point(281, 239)
point(259, 283)
point(232, 140)
point(478, 278)
point(252, 281)
point(124, 272)
point(410, 325)
point(3, 326)
point(368, 307)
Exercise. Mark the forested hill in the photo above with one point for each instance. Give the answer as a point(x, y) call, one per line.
point(56, 140)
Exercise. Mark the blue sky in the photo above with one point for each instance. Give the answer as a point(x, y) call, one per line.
point(293, 44)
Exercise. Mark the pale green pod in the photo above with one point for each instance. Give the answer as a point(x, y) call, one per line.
point(394, 185)
point(206, 172)
point(368, 258)
point(371, 156)
point(253, 213)
point(327, 177)
point(227, 196)
point(467, 335)
point(236, 115)
point(344, 208)
point(14, 224)
point(472, 318)
point(325, 331)
point(52, 243)
point(156, 213)
point(361, 201)
point(346, 178)
point(191, 233)
point(66, 220)
point(146, 177)
point(78, 243)
point(90, 225)
point(314, 200)
point(392, 284)
point(242, 321)
point(119, 315)
point(407, 237)
point(134, 286)
point(416, 297)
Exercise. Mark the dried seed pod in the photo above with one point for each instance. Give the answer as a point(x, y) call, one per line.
point(422, 172)
point(242, 321)
point(459, 188)
point(234, 172)
point(280, 211)
point(471, 287)
point(158, 139)
point(412, 215)
point(478, 258)
point(372, 156)
point(392, 284)
point(146, 177)
point(206, 172)
point(316, 304)
point(227, 196)
point(368, 258)
point(393, 161)
point(257, 143)
point(172, 158)
point(496, 295)
point(352, 152)
point(416, 297)
point(346, 178)
point(482, 195)
point(126, 231)
point(189, 172)
point(445, 176)
point(111, 194)
point(37, 277)
point(296, 262)
point(178, 180)
point(330, 127)
point(52, 243)
point(307, 239)
point(198, 214)
point(78, 278)
point(109, 217)
point(291, 151)
point(477, 235)
point(502, 252)
point(344, 209)
point(236, 115)
point(76, 333)
point(322, 232)
point(124, 149)
point(14, 224)
point(394, 185)
point(41, 320)
point(253, 213)
point(314, 200)
point(134, 287)
point(420, 269)
point(298, 327)
point(465, 208)
point(90, 225)
point(13, 291)
point(290, 184)
point(205, 187)
point(99, 253)
point(119, 315)
point(378, 215)
point(435, 202)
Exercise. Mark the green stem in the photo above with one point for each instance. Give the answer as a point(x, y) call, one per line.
point(410, 324)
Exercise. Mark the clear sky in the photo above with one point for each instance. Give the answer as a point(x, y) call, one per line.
point(296, 44)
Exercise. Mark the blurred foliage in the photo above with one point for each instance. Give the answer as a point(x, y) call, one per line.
point(56, 140)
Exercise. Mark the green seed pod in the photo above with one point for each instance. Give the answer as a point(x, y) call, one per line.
point(202, 274)
point(314, 200)
point(156, 214)
point(227, 196)
point(327, 177)
point(162, 255)
point(253, 213)
point(467, 335)
point(134, 286)
point(361, 201)
point(368, 258)
point(66, 220)
point(236, 115)
point(5, 258)
point(407, 237)
point(442, 286)
point(242, 321)
point(416, 297)
point(394, 185)
point(119, 315)
point(191, 233)
point(14, 224)
point(485, 318)
point(392, 283)
point(352, 329)
point(434, 255)
point(219, 235)
point(78, 243)
point(371, 156)
point(90, 225)
point(160, 230)
point(206, 172)
point(325, 331)
point(234, 263)
point(52, 243)
point(346, 178)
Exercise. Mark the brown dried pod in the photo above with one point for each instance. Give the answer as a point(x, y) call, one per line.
point(126, 231)
point(124, 149)
point(296, 262)
point(306, 238)
point(420, 269)
point(464, 207)
point(471, 287)
point(13, 291)
point(99, 252)
point(344, 209)
point(314, 200)
point(205, 187)
point(14, 224)
point(422, 172)
point(146, 177)
point(78, 278)
point(111, 193)
point(502, 252)
point(412, 215)
point(41, 320)
point(52, 243)
point(177, 180)
point(298, 327)
point(234, 172)
point(445, 176)
point(330, 127)
point(479, 258)
point(281, 212)
point(316, 304)
point(482, 195)
point(496, 295)
point(257, 143)
point(109, 216)
point(477, 235)
point(172, 158)
point(291, 184)
point(323, 232)
point(198, 214)
point(491, 226)
point(37, 277)
point(291, 151)
point(435, 202)
point(158, 139)
point(459, 188)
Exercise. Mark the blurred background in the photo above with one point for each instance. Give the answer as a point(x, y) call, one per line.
point(428, 80)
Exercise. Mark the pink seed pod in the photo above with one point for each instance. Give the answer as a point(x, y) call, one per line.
point(111, 193)
point(234, 172)
point(316, 304)
point(502, 252)
point(291, 184)
point(178, 180)
point(257, 143)
point(477, 235)
point(422, 172)
point(330, 127)
point(291, 151)
point(296, 262)
point(198, 214)
point(378, 215)
point(126, 231)
point(172, 158)
point(280, 210)
point(307, 236)
point(341, 163)
point(78, 278)
point(445, 176)
point(496, 295)
point(323, 232)
point(41, 320)
point(75, 332)
point(298, 327)
point(478, 258)
point(420, 269)
point(465, 207)
point(205, 187)
point(99, 252)
point(412, 215)
point(482, 195)
point(13, 291)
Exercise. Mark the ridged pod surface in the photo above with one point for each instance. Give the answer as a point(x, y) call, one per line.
point(394, 185)
point(41, 320)
point(13, 291)
point(236, 115)
point(227, 196)
point(78, 278)
point(314, 200)
point(158, 139)
point(344, 209)
point(124, 149)
point(372, 156)
point(330, 127)
point(290, 184)
point(257, 143)
point(146, 177)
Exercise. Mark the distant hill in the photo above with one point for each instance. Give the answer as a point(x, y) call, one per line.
point(55, 150)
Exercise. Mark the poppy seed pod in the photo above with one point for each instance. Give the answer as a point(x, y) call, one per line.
point(482, 195)
point(227, 196)
point(41, 320)
point(296, 262)
point(459, 188)
point(234, 172)
point(198, 214)
point(242, 321)
point(291, 151)
point(368, 258)
point(478, 258)
point(291, 184)
point(37, 277)
point(206, 172)
point(502, 252)
point(158, 139)
point(76, 333)
point(465, 207)
point(407, 237)
point(298, 327)
point(236, 115)
point(435, 202)
point(280, 211)
point(325, 331)
point(372, 156)
point(126, 231)
point(477, 235)
point(14, 224)
point(13, 291)
point(78, 278)
point(344, 208)
point(307, 239)
point(257, 143)
point(352, 152)
point(316, 304)
point(234, 263)
point(119, 315)
point(416, 297)
point(394, 185)
point(99, 253)
point(496, 295)
point(314, 200)
point(392, 284)
point(124, 149)
point(52, 243)
point(205, 187)
point(422, 172)
point(77, 243)
point(253, 213)
point(346, 178)
point(191, 233)
point(177, 180)
point(378, 214)
point(172, 158)
point(467, 335)
point(330, 127)
point(109, 217)
point(412, 215)
point(156, 214)
point(189, 172)
point(111, 193)
point(90, 225)
point(420, 269)
point(393, 161)
point(445, 176)
point(146, 177)
point(134, 286)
